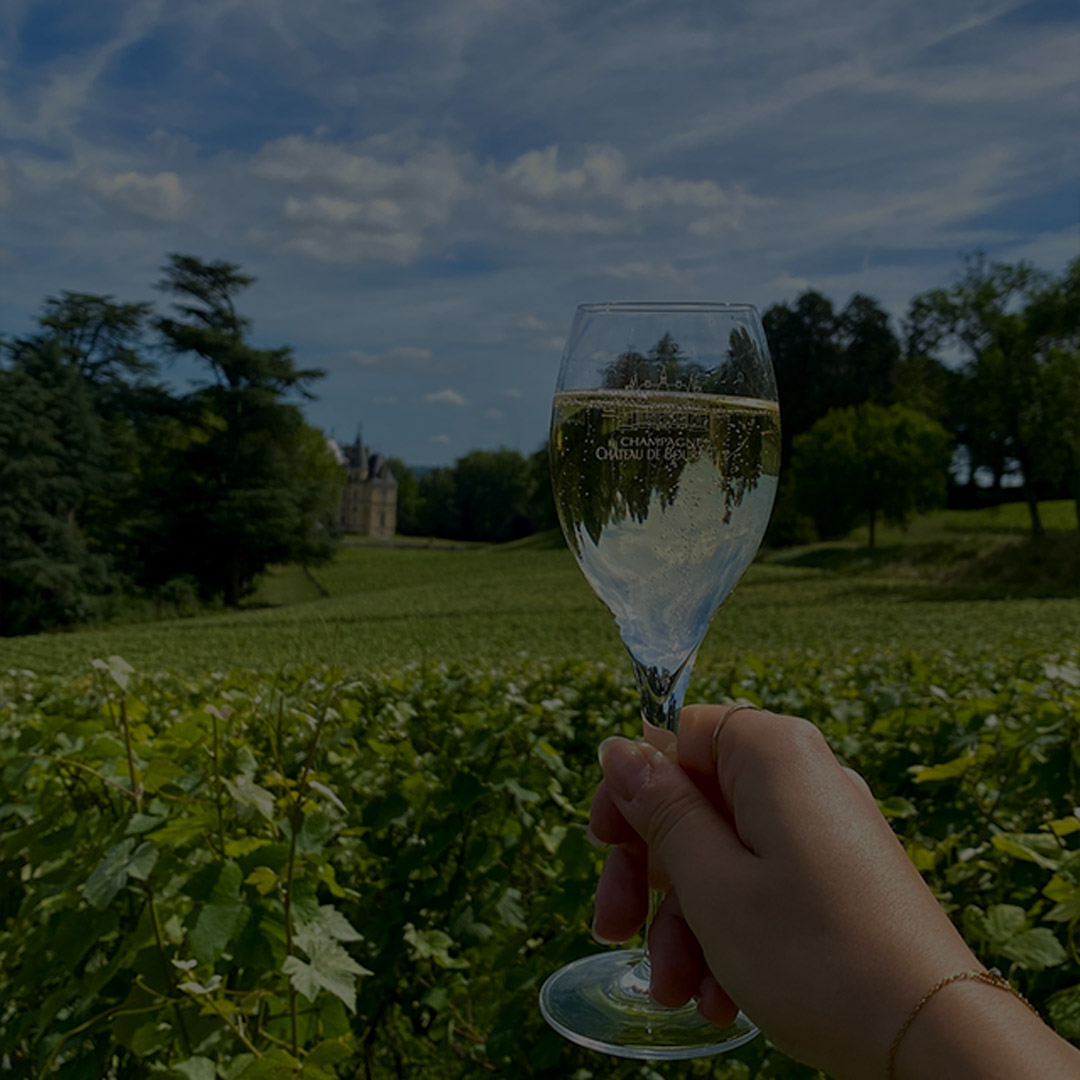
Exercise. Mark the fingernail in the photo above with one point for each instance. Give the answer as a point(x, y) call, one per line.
point(599, 939)
point(595, 840)
point(627, 764)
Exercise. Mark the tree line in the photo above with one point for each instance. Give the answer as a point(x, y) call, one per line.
point(115, 487)
point(974, 399)
point(983, 381)
point(487, 495)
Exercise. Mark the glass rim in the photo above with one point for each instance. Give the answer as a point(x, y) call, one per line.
point(647, 307)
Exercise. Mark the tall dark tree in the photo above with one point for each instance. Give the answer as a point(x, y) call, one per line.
point(104, 340)
point(408, 497)
point(540, 506)
point(438, 513)
point(50, 450)
point(994, 316)
point(101, 337)
point(238, 502)
point(825, 359)
point(492, 488)
point(871, 352)
point(806, 355)
point(1056, 317)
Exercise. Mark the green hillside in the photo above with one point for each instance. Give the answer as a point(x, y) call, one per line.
point(959, 580)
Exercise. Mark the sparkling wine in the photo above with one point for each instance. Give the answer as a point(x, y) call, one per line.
point(664, 498)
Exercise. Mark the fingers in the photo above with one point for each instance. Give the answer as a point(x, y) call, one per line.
point(701, 728)
point(775, 774)
point(606, 823)
point(684, 834)
point(622, 896)
point(714, 1003)
point(677, 964)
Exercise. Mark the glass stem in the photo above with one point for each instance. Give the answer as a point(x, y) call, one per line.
point(662, 693)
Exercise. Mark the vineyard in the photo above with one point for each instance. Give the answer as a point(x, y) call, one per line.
point(235, 862)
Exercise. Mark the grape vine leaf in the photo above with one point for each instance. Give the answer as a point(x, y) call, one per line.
point(221, 918)
point(432, 945)
point(196, 1068)
point(327, 921)
point(1035, 949)
point(110, 875)
point(117, 668)
point(250, 798)
point(1064, 1010)
point(330, 968)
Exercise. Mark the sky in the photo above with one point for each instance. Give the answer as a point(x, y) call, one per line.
point(425, 189)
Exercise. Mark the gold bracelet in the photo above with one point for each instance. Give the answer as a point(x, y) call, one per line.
point(993, 977)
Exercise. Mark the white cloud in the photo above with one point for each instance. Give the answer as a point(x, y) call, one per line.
point(789, 283)
point(551, 343)
point(639, 270)
point(795, 139)
point(70, 88)
point(446, 397)
point(597, 196)
point(372, 203)
point(440, 440)
point(400, 358)
point(161, 198)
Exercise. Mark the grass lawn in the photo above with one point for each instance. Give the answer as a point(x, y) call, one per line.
point(391, 606)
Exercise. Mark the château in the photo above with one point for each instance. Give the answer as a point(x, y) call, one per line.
point(369, 501)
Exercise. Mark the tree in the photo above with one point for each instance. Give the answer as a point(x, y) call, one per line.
point(438, 512)
point(996, 315)
point(237, 504)
point(870, 461)
point(806, 356)
point(492, 490)
point(100, 336)
point(408, 497)
point(870, 353)
point(104, 341)
point(540, 506)
point(826, 359)
point(1058, 319)
point(50, 450)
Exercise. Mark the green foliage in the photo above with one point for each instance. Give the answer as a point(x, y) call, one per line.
point(492, 488)
point(866, 461)
point(312, 876)
point(489, 495)
point(51, 452)
point(1012, 325)
point(390, 607)
point(252, 487)
point(827, 359)
point(408, 497)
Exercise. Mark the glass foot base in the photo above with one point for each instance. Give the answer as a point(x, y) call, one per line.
point(603, 1003)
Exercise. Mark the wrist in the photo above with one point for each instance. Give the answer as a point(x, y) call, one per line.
point(976, 1029)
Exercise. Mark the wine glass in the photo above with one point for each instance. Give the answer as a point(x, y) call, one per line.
point(665, 453)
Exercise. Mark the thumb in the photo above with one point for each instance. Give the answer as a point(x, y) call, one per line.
point(685, 835)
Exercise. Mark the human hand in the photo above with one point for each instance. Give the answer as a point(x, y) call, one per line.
point(789, 893)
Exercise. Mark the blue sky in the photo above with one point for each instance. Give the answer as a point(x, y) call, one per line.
point(426, 188)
